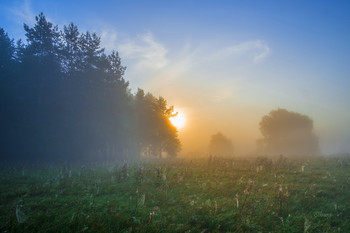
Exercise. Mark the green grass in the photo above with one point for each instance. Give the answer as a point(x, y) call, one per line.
point(180, 195)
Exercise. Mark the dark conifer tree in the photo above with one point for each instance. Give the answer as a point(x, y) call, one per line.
point(65, 99)
point(7, 52)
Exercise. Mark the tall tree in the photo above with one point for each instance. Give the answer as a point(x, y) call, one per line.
point(7, 52)
point(7, 93)
point(157, 134)
point(91, 51)
point(66, 99)
point(43, 44)
point(72, 52)
point(288, 133)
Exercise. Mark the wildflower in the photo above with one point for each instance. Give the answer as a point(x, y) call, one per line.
point(259, 168)
point(124, 171)
point(307, 225)
point(246, 191)
point(72, 218)
point(286, 194)
point(278, 190)
point(237, 200)
point(208, 202)
point(21, 217)
point(151, 215)
point(282, 221)
point(249, 187)
point(141, 201)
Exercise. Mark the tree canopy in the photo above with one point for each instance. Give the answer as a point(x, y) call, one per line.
point(220, 145)
point(289, 133)
point(63, 98)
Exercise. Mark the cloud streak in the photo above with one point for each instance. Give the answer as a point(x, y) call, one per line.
point(255, 50)
point(23, 13)
point(209, 66)
point(145, 51)
point(109, 39)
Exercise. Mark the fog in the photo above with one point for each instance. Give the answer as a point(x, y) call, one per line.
point(291, 137)
point(174, 116)
point(66, 99)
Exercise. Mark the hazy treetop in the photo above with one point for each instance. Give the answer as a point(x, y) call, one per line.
point(286, 132)
point(220, 145)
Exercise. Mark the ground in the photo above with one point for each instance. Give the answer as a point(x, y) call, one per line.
point(181, 195)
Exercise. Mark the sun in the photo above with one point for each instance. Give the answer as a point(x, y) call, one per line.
point(178, 120)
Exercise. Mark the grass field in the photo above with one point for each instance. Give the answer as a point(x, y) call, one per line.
point(199, 195)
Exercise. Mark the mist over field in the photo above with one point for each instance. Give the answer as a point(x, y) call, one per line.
point(179, 116)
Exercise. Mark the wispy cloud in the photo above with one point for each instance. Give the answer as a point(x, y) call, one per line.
point(223, 94)
point(109, 39)
point(264, 51)
point(145, 51)
point(254, 49)
point(23, 13)
point(210, 66)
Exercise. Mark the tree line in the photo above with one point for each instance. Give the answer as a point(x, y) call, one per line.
point(63, 98)
point(283, 133)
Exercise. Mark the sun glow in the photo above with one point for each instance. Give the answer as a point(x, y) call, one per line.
point(178, 120)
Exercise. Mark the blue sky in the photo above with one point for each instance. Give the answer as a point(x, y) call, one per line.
point(225, 64)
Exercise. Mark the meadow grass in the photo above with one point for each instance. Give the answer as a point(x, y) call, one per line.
point(199, 195)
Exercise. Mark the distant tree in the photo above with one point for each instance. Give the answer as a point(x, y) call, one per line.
point(288, 133)
point(220, 145)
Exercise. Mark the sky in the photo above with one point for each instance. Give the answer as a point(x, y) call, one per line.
point(223, 64)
